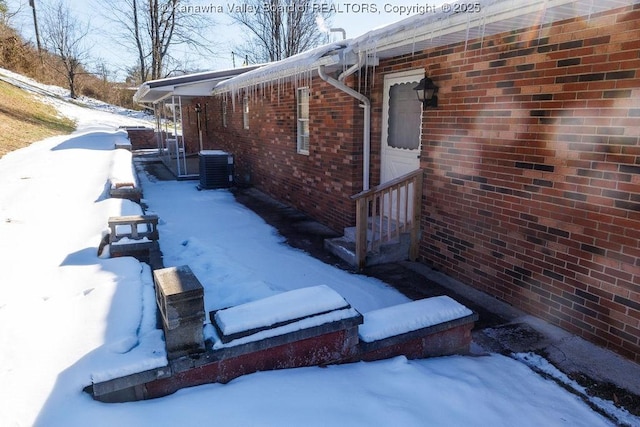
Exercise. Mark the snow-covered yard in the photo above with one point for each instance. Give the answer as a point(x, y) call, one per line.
point(68, 317)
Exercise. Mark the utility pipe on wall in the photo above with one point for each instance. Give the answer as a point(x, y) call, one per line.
point(366, 105)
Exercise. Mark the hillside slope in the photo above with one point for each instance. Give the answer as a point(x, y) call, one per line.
point(25, 119)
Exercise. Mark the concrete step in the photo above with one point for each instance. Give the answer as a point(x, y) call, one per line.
point(374, 231)
point(345, 248)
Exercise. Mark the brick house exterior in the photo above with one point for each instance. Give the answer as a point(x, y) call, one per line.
point(531, 161)
point(532, 171)
point(319, 183)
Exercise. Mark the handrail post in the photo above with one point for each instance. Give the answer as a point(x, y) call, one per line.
point(374, 198)
point(361, 231)
point(414, 249)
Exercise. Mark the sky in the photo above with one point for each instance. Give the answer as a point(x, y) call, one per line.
point(69, 316)
point(355, 18)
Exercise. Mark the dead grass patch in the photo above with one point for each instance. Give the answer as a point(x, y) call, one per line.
point(25, 119)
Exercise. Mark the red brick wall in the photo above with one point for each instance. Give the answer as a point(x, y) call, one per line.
point(190, 124)
point(318, 184)
point(532, 171)
point(142, 138)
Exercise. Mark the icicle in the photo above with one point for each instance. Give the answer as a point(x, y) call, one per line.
point(367, 64)
point(373, 68)
point(360, 76)
point(483, 26)
point(542, 18)
point(590, 11)
point(233, 98)
point(466, 39)
point(413, 42)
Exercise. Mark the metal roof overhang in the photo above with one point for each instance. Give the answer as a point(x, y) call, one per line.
point(432, 30)
point(189, 85)
point(331, 55)
point(421, 32)
point(414, 34)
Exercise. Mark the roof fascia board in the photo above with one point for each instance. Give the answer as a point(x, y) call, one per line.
point(200, 77)
point(155, 91)
point(196, 89)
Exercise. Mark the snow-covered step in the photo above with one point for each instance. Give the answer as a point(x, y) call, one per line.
point(278, 311)
point(345, 248)
point(123, 182)
point(423, 328)
point(377, 228)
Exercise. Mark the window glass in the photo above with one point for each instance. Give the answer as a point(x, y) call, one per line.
point(303, 120)
point(245, 112)
point(405, 113)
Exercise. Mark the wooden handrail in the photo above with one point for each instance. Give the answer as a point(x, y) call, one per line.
point(385, 185)
point(392, 208)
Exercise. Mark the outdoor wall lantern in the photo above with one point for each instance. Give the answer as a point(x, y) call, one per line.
point(426, 91)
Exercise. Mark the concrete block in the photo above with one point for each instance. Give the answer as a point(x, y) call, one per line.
point(180, 299)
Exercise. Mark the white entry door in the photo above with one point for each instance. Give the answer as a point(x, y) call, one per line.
point(401, 129)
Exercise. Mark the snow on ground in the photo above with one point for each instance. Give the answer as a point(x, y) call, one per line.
point(59, 97)
point(68, 317)
point(239, 258)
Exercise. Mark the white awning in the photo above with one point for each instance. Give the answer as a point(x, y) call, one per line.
point(188, 85)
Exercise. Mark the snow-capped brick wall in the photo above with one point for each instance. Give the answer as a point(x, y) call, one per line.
point(532, 170)
point(279, 310)
point(142, 138)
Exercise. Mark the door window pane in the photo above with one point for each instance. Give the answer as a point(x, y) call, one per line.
point(405, 115)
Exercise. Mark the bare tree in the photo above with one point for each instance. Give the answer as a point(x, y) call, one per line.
point(6, 14)
point(64, 36)
point(279, 28)
point(154, 28)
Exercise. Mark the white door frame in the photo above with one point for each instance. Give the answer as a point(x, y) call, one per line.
point(395, 162)
point(410, 159)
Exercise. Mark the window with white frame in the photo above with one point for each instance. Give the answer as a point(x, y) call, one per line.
point(224, 113)
point(303, 120)
point(245, 112)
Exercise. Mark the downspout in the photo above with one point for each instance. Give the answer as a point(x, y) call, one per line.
point(366, 105)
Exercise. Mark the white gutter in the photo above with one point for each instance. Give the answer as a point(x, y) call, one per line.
point(366, 105)
point(280, 71)
point(142, 91)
